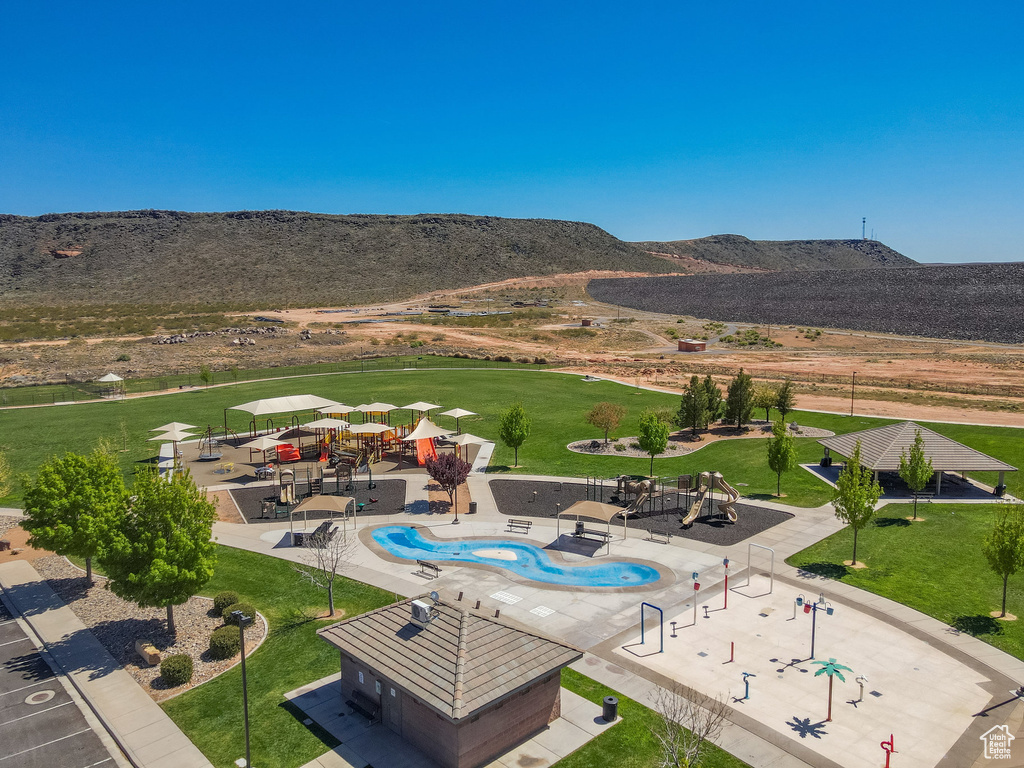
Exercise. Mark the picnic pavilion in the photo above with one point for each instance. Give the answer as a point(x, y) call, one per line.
point(881, 448)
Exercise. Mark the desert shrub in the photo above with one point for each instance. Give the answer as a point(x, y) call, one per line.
point(225, 642)
point(223, 599)
point(124, 357)
point(503, 359)
point(523, 360)
point(176, 670)
point(540, 361)
point(416, 343)
point(245, 608)
point(620, 447)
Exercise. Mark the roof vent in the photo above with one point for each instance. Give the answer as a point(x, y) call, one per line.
point(421, 613)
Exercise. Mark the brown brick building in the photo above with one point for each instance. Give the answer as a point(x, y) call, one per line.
point(460, 686)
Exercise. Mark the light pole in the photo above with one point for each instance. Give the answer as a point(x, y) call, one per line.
point(458, 465)
point(243, 622)
point(853, 385)
point(813, 608)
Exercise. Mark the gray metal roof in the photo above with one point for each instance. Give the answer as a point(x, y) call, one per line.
point(880, 449)
point(457, 664)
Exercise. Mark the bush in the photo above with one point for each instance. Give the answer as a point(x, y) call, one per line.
point(176, 670)
point(123, 358)
point(620, 447)
point(225, 642)
point(245, 608)
point(540, 361)
point(222, 600)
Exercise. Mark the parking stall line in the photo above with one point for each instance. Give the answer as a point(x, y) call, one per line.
point(40, 746)
point(14, 642)
point(40, 712)
point(26, 687)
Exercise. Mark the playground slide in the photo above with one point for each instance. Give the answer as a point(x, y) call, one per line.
point(696, 507)
point(732, 494)
point(637, 503)
point(425, 449)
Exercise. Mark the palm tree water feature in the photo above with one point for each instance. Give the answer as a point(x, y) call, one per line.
point(526, 560)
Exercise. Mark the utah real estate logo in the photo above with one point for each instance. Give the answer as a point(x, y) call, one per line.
point(997, 742)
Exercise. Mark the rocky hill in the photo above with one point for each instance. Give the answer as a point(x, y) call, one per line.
point(781, 255)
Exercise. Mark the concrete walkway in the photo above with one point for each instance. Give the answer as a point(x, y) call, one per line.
point(140, 728)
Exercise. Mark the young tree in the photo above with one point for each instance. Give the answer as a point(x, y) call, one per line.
point(205, 374)
point(1004, 547)
point(785, 400)
point(781, 453)
point(765, 396)
point(685, 726)
point(5, 475)
point(514, 428)
point(653, 437)
point(161, 553)
point(916, 470)
point(714, 397)
point(606, 416)
point(323, 557)
point(73, 503)
point(855, 496)
point(739, 403)
point(693, 409)
point(448, 471)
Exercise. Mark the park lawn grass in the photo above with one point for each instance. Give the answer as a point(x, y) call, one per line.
point(935, 566)
point(291, 656)
point(556, 403)
point(630, 744)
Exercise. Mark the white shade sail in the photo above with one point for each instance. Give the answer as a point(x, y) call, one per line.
point(110, 378)
point(337, 408)
point(425, 430)
point(376, 408)
point(262, 443)
point(327, 423)
point(288, 404)
point(174, 426)
point(467, 439)
point(370, 428)
point(458, 413)
point(174, 436)
point(420, 406)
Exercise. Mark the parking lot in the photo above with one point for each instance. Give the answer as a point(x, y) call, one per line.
point(41, 726)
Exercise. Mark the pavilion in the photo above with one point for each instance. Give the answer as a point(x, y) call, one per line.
point(881, 448)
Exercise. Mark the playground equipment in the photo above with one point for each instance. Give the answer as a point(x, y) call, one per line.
point(425, 450)
point(812, 608)
point(706, 486)
point(771, 572)
point(746, 685)
point(661, 624)
point(286, 487)
point(889, 747)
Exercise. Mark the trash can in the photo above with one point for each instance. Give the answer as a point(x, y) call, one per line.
point(472, 507)
point(610, 710)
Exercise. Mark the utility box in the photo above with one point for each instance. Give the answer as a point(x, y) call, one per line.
point(692, 345)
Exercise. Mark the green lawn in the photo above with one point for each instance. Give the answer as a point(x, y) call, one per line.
point(629, 744)
point(556, 403)
point(935, 566)
point(291, 656)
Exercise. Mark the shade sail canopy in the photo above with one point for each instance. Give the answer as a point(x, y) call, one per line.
point(425, 430)
point(336, 408)
point(420, 406)
point(467, 439)
point(173, 427)
point(458, 413)
point(369, 428)
point(110, 378)
point(880, 449)
point(174, 435)
point(375, 408)
point(288, 404)
point(592, 510)
point(295, 433)
point(262, 443)
point(336, 504)
point(327, 423)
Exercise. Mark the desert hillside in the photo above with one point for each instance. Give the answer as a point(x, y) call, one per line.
point(781, 255)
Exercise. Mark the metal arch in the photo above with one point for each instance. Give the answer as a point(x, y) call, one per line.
point(661, 624)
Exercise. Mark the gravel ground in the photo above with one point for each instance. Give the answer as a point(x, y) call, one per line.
point(117, 624)
point(6, 523)
point(515, 499)
point(388, 495)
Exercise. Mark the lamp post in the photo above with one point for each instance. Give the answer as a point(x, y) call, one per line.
point(458, 464)
point(853, 385)
point(243, 622)
point(813, 608)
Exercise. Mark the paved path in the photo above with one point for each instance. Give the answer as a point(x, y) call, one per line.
point(144, 733)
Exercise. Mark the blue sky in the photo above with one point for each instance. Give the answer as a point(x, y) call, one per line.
point(656, 121)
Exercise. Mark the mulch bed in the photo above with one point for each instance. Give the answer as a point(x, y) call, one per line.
point(515, 499)
point(388, 499)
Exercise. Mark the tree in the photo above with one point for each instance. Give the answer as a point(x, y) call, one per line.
point(739, 403)
point(785, 400)
point(1004, 547)
point(161, 553)
point(205, 374)
point(323, 556)
point(5, 475)
point(73, 503)
point(514, 428)
point(781, 453)
point(693, 409)
point(916, 470)
point(653, 437)
point(449, 471)
point(606, 416)
point(855, 496)
point(765, 396)
point(685, 726)
point(714, 397)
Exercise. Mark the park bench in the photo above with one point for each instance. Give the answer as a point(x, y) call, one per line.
point(364, 705)
point(323, 534)
point(428, 569)
point(517, 524)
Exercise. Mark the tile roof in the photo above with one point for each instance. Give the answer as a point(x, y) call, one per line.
point(880, 449)
point(460, 662)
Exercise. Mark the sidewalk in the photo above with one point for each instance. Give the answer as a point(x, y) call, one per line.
point(144, 733)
